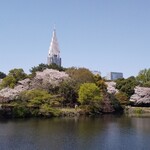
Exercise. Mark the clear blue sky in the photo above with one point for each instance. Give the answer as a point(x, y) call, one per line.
point(103, 35)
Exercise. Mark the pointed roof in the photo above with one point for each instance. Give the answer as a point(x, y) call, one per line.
point(54, 46)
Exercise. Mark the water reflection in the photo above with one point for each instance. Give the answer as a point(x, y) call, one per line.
point(104, 133)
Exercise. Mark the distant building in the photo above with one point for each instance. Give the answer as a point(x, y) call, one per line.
point(114, 75)
point(54, 52)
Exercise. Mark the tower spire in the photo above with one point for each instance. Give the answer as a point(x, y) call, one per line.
point(54, 52)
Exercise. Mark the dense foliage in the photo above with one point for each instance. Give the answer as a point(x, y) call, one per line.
point(42, 67)
point(13, 77)
point(34, 103)
point(80, 76)
point(115, 103)
point(144, 77)
point(35, 97)
point(68, 93)
point(122, 98)
point(90, 97)
point(88, 93)
point(100, 82)
point(81, 88)
point(127, 85)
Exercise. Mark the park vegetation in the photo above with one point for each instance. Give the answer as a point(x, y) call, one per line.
point(13, 77)
point(82, 91)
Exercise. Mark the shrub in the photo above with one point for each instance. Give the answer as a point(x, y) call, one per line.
point(47, 111)
point(115, 103)
point(35, 97)
point(20, 111)
point(138, 111)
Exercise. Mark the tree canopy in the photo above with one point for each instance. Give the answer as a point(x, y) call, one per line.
point(122, 98)
point(68, 93)
point(80, 75)
point(90, 98)
point(127, 85)
point(144, 77)
point(88, 93)
point(100, 82)
point(35, 97)
point(13, 77)
point(42, 67)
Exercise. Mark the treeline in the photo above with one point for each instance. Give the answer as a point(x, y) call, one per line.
point(82, 89)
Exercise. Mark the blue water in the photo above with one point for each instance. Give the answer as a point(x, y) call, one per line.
point(101, 133)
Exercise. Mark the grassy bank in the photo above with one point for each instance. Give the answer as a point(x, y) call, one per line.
point(137, 111)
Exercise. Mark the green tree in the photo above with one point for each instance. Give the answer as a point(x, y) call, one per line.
point(18, 74)
point(144, 77)
point(100, 82)
point(90, 98)
point(8, 81)
point(2, 75)
point(122, 98)
point(68, 93)
point(35, 97)
point(42, 67)
point(115, 103)
point(89, 92)
point(13, 77)
point(80, 76)
point(127, 85)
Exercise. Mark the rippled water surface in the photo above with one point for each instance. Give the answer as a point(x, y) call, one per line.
point(102, 133)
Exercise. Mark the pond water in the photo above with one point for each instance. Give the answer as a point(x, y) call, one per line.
point(102, 133)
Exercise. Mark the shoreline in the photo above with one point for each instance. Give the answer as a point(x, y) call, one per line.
point(7, 112)
point(133, 111)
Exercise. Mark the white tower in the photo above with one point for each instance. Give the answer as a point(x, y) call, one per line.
point(54, 52)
